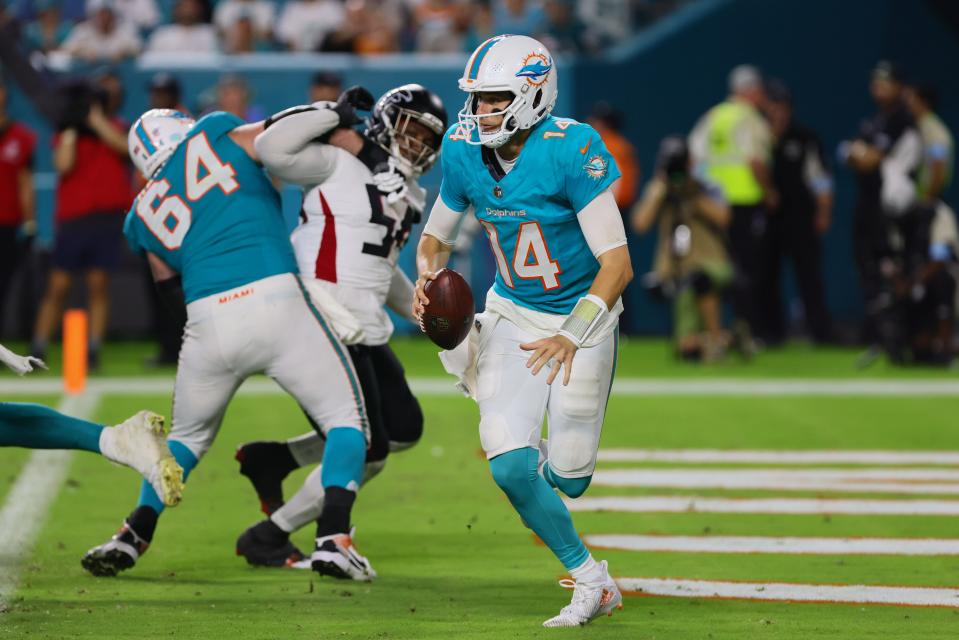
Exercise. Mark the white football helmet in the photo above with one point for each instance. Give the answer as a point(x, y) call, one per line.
point(518, 64)
point(155, 136)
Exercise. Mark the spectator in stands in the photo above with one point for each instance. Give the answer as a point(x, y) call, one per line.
point(304, 24)
point(144, 14)
point(517, 16)
point(608, 22)
point(884, 155)
point(691, 265)
point(731, 146)
point(366, 30)
point(261, 14)
point(438, 27)
point(938, 152)
point(49, 31)
point(188, 34)
point(103, 36)
point(93, 194)
point(326, 85)
point(803, 216)
point(17, 216)
point(233, 96)
point(561, 31)
point(165, 92)
point(243, 37)
point(480, 25)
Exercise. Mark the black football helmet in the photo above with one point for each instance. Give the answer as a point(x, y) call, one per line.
point(414, 147)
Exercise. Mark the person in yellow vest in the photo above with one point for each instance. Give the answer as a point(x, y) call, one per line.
point(731, 147)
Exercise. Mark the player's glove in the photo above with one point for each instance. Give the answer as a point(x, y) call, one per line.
point(354, 99)
point(391, 182)
point(20, 364)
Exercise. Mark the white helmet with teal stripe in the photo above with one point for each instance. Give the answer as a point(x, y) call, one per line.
point(518, 64)
point(155, 136)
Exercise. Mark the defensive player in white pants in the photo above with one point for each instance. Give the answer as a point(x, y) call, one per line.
point(354, 222)
point(539, 186)
point(138, 442)
point(211, 218)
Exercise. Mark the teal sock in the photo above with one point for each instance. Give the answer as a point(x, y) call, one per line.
point(34, 426)
point(543, 511)
point(186, 459)
point(344, 458)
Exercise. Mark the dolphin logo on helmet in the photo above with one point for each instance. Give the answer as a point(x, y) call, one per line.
point(516, 64)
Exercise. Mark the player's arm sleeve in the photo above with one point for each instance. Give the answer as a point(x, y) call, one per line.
point(131, 231)
point(400, 296)
point(602, 224)
point(590, 170)
point(444, 223)
point(287, 147)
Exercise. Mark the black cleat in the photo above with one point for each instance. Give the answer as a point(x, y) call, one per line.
point(266, 545)
point(266, 464)
point(118, 554)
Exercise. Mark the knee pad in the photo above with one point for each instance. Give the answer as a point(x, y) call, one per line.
point(406, 427)
point(513, 471)
point(571, 487)
point(396, 447)
point(572, 453)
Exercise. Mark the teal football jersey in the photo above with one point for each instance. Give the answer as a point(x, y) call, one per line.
point(529, 215)
point(212, 214)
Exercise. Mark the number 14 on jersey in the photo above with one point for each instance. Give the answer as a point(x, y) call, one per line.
point(531, 258)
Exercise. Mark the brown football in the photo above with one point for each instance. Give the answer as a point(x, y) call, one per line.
point(449, 315)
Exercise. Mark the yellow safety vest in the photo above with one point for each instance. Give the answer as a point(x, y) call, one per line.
point(726, 165)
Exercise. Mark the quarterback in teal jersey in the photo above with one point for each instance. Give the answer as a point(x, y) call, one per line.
point(210, 224)
point(539, 186)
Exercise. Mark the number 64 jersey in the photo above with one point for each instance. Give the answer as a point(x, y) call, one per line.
point(350, 238)
point(194, 216)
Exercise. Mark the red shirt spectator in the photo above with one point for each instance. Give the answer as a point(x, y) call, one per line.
point(17, 143)
point(98, 183)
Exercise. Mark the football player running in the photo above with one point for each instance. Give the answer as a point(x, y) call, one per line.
point(210, 223)
point(539, 186)
point(355, 220)
point(138, 442)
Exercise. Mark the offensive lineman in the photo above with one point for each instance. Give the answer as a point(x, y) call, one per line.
point(210, 218)
point(539, 186)
point(139, 442)
point(355, 221)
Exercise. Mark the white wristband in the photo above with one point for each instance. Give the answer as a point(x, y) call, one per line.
point(589, 313)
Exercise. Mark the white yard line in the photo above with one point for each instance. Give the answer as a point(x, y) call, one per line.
point(744, 456)
point(695, 504)
point(911, 481)
point(443, 386)
point(29, 500)
point(828, 593)
point(785, 545)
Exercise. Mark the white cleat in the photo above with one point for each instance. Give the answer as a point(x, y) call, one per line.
point(140, 443)
point(336, 556)
point(590, 600)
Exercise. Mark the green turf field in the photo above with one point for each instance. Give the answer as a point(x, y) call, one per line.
point(453, 558)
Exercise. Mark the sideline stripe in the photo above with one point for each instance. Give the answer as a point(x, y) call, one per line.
point(695, 504)
point(29, 500)
point(912, 481)
point(780, 457)
point(444, 386)
point(785, 545)
point(823, 593)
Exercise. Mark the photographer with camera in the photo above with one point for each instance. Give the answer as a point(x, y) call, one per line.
point(691, 265)
point(93, 193)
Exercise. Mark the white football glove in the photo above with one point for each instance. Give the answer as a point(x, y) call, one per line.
point(21, 365)
point(391, 183)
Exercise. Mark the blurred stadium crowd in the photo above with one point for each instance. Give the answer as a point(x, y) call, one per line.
point(111, 30)
point(747, 190)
